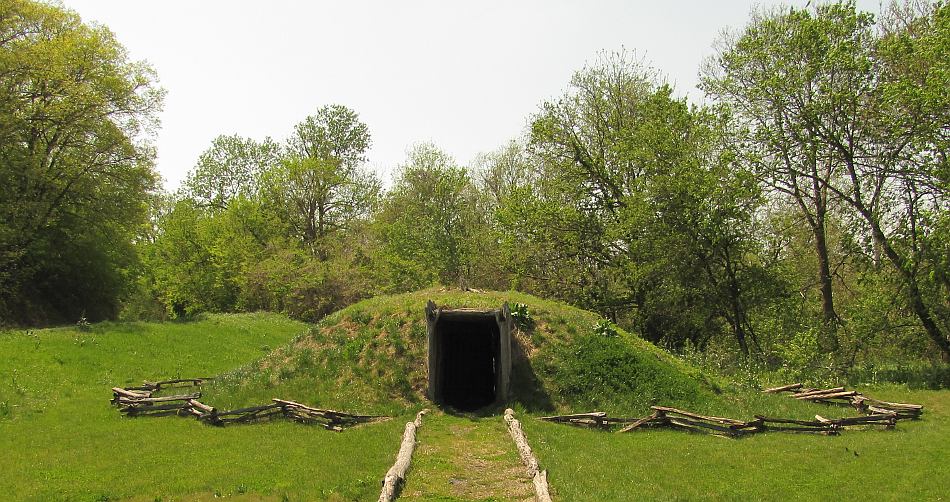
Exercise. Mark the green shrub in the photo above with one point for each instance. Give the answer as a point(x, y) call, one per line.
point(522, 317)
point(605, 328)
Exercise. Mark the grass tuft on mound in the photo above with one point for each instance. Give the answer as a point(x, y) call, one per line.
point(371, 357)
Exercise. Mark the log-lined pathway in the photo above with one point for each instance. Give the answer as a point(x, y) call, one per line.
point(466, 459)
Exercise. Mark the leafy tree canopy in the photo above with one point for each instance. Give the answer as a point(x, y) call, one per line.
point(75, 162)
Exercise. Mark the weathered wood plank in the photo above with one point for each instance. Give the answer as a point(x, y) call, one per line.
point(721, 420)
point(685, 422)
point(833, 395)
point(643, 421)
point(338, 416)
point(807, 423)
point(565, 418)
point(194, 403)
point(783, 388)
point(162, 399)
point(134, 394)
point(819, 391)
point(883, 419)
point(150, 413)
point(133, 408)
point(903, 406)
point(252, 409)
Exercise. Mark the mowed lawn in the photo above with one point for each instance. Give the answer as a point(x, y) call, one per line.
point(61, 439)
point(908, 463)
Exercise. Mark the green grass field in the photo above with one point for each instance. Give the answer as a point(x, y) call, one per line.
point(62, 440)
point(907, 463)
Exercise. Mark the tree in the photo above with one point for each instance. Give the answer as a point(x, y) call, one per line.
point(858, 117)
point(504, 170)
point(430, 223)
point(333, 133)
point(639, 210)
point(75, 163)
point(792, 77)
point(900, 155)
point(231, 167)
point(320, 187)
point(593, 145)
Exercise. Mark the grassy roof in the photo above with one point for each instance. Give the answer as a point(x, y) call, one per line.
point(371, 357)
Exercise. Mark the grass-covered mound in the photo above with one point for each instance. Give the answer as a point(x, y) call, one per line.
point(371, 357)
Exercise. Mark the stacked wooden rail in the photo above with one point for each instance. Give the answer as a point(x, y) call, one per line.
point(663, 416)
point(860, 402)
point(142, 401)
point(876, 412)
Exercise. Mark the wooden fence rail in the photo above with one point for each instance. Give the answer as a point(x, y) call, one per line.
point(142, 401)
point(875, 412)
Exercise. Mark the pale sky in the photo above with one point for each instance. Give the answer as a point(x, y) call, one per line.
point(463, 75)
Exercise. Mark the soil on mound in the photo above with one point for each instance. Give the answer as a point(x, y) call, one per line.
point(371, 357)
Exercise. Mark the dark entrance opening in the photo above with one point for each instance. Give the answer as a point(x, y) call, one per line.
point(469, 356)
point(469, 362)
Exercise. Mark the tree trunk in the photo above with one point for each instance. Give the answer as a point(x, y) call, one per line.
point(828, 314)
point(913, 292)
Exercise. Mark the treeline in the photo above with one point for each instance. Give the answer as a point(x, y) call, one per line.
point(75, 169)
point(798, 215)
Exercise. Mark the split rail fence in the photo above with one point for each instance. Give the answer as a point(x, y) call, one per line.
point(143, 401)
point(876, 412)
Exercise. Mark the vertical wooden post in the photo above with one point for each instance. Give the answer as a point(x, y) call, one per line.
point(432, 318)
point(505, 325)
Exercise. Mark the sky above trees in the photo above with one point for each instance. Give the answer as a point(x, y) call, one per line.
point(463, 76)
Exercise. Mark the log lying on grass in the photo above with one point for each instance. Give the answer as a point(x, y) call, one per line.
point(152, 401)
point(524, 450)
point(118, 392)
point(841, 396)
point(396, 475)
point(538, 476)
point(783, 388)
point(657, 418)
point(333, 420)
point(178, 382)
point(813, 426)
point(886, 419)
point(594, 418)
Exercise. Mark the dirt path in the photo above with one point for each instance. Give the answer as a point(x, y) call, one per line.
point(466, 459)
